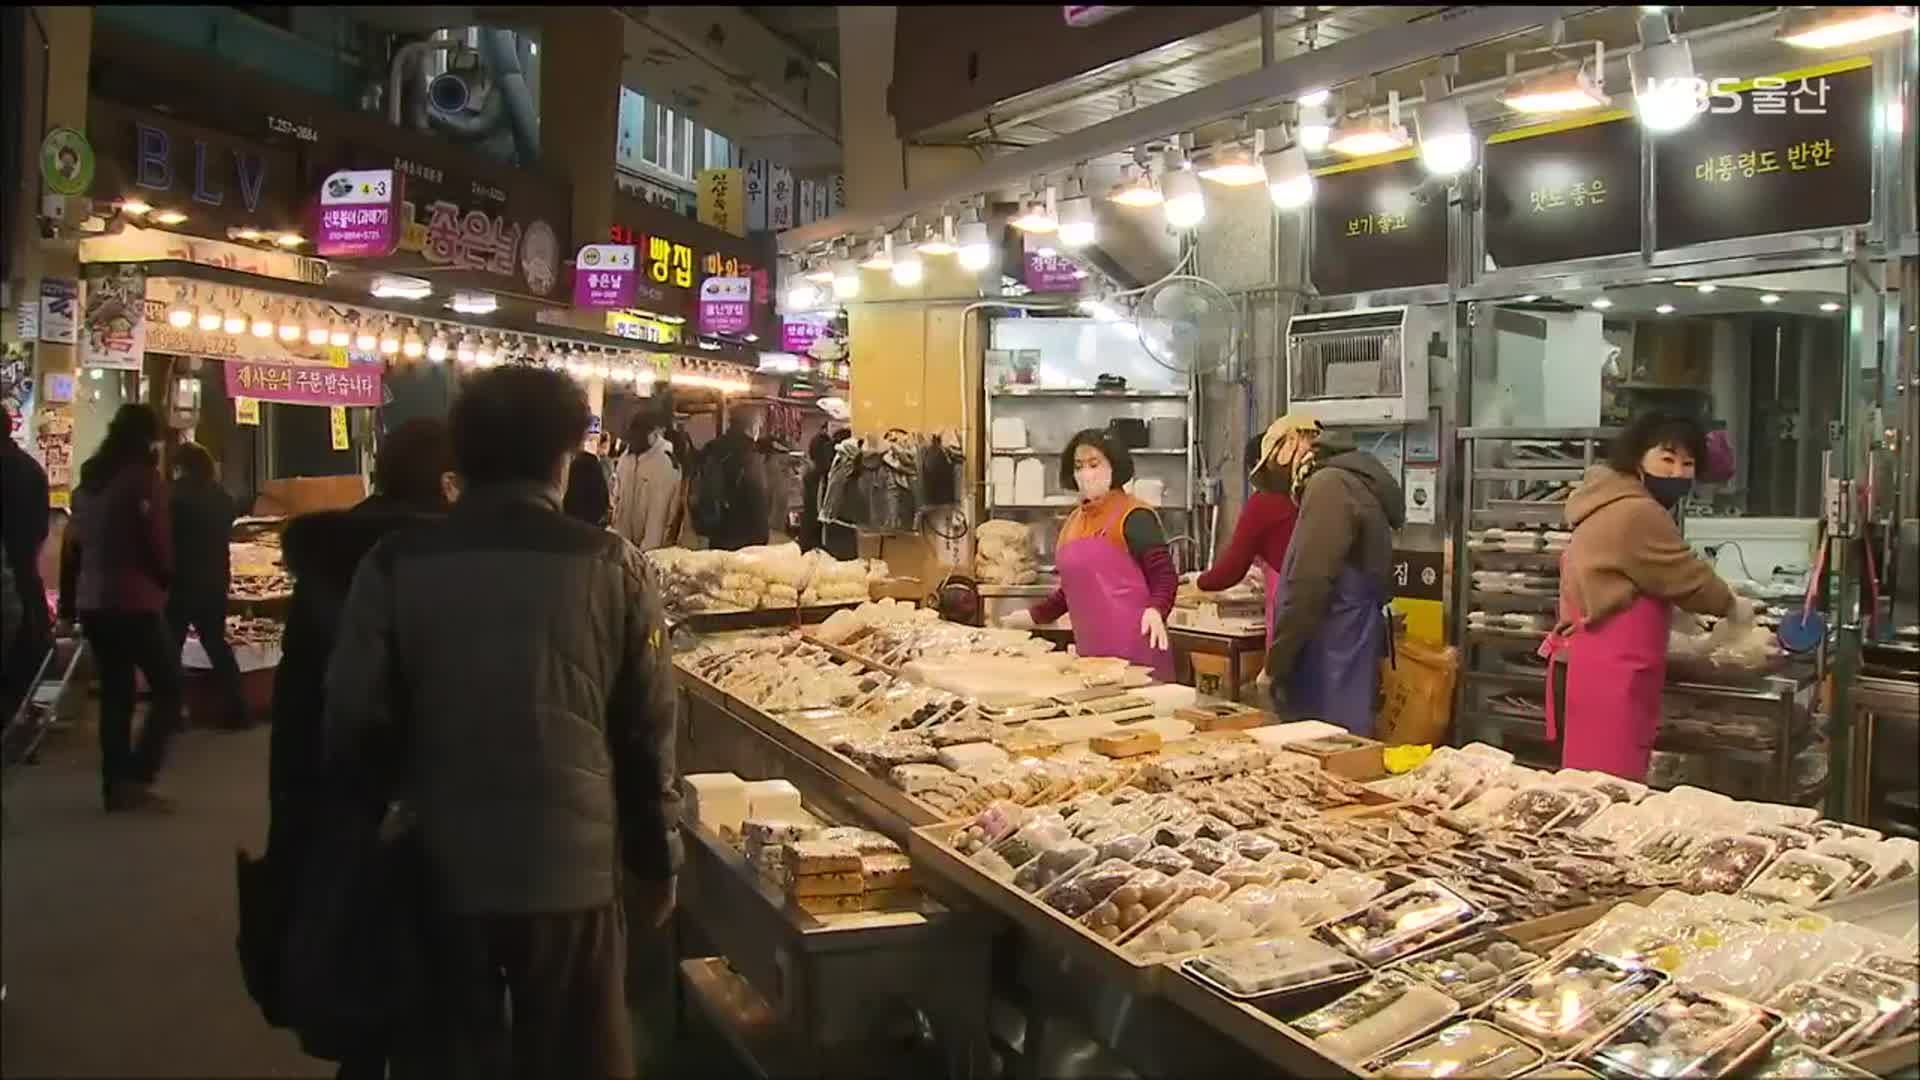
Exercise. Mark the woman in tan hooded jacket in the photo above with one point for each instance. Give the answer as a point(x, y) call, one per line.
point(1624, 571)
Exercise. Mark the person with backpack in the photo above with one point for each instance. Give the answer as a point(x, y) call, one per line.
point(728, 504)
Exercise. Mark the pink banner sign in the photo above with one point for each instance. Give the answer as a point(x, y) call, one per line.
point(726, 305)
point(1052, 273)
point(606, 276)
point(304, 384)
point(798, 333)
point(357, 214)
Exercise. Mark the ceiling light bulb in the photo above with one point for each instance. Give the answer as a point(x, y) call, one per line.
point(262, 326)
point(1769, 298)
point(1315, 97)
point(879, 255)
point(1446, 135)
point(337, 335)
point(316, 334)
point(1036, 218)
point(976, 254)
point(1076, 221)
point(1568, 89)
point(1528, 299)
point(1135, 189)
point(1829, 307)
point(389, 340)
point(464, 352)
point(180, 316)
point(1603, 303)
point(169, 217)
point(1288, 179)
point(939, 239)
point(1838, 27)
point(364, 340)
point(1315, 129)
point(820, 273)
point(233, 323)
point(475, 303)
point(289, 329)
point(1366, 136)
point(1186, 206)
point(136, 207)
point(802, 296)
point(1233, 165)
point(1666, 91)
point(289, 240)
point(208, 319)
point(846, 280)
point(908, 270)
point(412, 347)
point(1707, 287)
point(437, 349)
point(1664, 309)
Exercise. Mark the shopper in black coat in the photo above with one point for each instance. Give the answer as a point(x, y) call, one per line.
point(413, 484)
point(23, 490)
point(587, 498)
point(202, 571)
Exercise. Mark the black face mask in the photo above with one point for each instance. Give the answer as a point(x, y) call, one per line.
point(1668, 490)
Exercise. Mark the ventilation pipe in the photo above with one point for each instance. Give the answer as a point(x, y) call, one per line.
point(497, 50)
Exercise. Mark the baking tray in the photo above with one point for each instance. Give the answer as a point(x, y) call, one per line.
point(932, 851)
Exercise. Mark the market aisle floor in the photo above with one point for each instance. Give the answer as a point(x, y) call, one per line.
point(116, 933)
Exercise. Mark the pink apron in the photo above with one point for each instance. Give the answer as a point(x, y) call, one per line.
point(1107, 593)
point(1614, 677)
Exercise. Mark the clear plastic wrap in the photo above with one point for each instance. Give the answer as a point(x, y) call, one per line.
point(1800, 878)
point(1131, 905)
point(1793, 1061)
point(1725, 864)
point(1376, 1016)
point(1823, 1017)
point(1893, 998)
point(1403, 922)
point(1677, 1035)
point(1576, 999)
point(1080, 893)
point(1536, 809)
point(1254, 969)
point(1473, 970)
point(1470, 1048)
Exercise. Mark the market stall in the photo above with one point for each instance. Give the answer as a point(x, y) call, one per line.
point(1156, 882)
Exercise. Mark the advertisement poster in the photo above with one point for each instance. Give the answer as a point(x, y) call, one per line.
point(357, 214)
point(726, 305)
point(605, 276)
point(1051, 273)
point(723, 201)
point(289, 384)
point(1423, 486)
point(799, 332)
point(59, 304)
point(113, 333)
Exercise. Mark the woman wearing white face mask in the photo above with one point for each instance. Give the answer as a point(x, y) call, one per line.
point(1117, 577)
point(646, 485)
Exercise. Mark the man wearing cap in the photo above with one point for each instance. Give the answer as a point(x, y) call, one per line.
point(1330, 629)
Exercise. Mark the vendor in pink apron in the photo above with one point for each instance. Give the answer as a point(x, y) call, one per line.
point(1260, 535)
point(1625, 570)
point(1117, 578)
point(1330, 628)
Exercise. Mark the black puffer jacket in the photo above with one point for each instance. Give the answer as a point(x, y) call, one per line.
point(523, 655)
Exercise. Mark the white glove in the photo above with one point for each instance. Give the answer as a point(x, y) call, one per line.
point(1017, 620)
point(1745, 611)
point(1154, 628)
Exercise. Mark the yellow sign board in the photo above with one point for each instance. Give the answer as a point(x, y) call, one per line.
point(337, 421)
point(246, 411)
point(723, 200)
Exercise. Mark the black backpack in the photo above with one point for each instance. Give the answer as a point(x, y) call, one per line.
point(716, 489)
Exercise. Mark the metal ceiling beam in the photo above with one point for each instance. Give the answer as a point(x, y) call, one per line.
point(1367, 54)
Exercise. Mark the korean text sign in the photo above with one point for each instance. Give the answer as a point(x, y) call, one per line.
point(1571, 194)
point(605, 276)
point(299, 384)
point(357, 218)
point(726, 305)
point(1378, 227)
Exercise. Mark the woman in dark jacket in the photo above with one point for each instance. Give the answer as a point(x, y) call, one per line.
point(202, 528)
point(114, 575)
point(412, 482)
point(587, 498)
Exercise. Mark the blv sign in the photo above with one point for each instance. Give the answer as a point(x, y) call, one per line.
point(238, 172)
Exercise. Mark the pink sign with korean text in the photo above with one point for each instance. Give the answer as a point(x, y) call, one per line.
point(799, 332)
point(300, 384)
point(606, 276)
point(726, 305)
point(1046, 273)
point(357, 214)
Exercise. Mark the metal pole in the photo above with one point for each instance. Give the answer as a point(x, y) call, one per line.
point(1266, 37)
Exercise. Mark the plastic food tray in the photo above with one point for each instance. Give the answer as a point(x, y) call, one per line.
point(1402, 922)
point(1550, 1008)
point(1255, 969)
point(1376, 1016)
point(1470, 1048)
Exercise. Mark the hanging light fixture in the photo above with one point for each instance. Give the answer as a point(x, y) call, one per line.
point(976, 251)
point(1316, 127)
point(846, 280)
point(879, 252)
point(1077, 228)
point(289, 325)
point(261, 326)
point(167, 217)
point(1446, 133)
point(820, 271)
point(1665, 88)
point(437, 349)
point(208, 318)
point(465, 351)
point(1839, 27)
point(233, 322)
point(180, 315)
point(1186, 205)
point(1366, 134)
point(1038, 214)
point(338, 335)
point(939, 238)
point(483, 354)
point(1235, 164)
point(364, 338)
point(802, 295)
point(412, 347)
point(389, 339)
point(1289, 180)
point(316, 333)
point(907, 268)
point(1562, 86)
point(1136, 187)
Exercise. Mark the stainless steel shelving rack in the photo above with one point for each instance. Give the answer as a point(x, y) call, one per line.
point(1496, 662)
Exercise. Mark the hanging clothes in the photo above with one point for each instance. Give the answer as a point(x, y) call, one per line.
point(1105, 587)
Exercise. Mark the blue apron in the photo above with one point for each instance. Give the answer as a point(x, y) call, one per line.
point(1336, 676)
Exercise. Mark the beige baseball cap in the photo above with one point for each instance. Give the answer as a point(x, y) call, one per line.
point(1294, 423)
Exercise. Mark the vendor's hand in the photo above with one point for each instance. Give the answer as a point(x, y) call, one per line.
point(1017, 620)
point(1153, 627)
point(1745, 610)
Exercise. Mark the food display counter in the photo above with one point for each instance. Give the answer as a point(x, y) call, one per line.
point(1223, 903)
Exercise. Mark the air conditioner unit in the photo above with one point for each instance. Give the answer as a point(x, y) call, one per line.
point(1361, 367)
